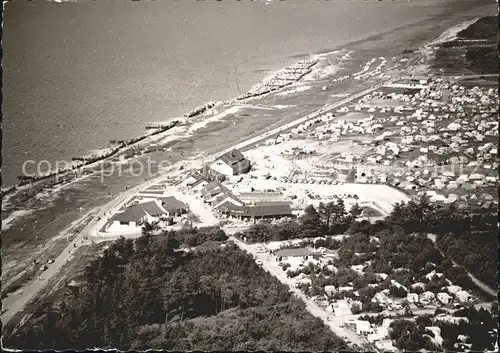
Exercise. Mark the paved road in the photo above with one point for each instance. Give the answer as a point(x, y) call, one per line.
point(16, 302)
point(333, 322)
point(474, 279)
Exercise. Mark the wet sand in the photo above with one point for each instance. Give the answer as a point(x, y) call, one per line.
point(53, 214)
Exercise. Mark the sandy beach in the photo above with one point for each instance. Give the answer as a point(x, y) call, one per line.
point(217, 130)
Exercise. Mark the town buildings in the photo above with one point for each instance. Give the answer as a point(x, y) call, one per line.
point(231, 163)
point(150, 211)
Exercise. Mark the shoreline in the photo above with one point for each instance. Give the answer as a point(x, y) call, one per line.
point(80, 163)
point(164, 173)
point(197, 112)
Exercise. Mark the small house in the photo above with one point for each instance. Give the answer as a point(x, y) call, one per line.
point(330, 290)
point(139, 213)
point(427, 297)
point(363, 327)
point(463, 297)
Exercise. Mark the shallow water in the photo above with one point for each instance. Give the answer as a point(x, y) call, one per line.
point(77, 75)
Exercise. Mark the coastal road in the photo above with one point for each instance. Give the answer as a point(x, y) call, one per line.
point(18, 301)
point(297, 122)
point(462, 77)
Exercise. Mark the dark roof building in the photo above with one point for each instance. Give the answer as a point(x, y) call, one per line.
point(262, 210)
point(232, 157)
point(234, 160)
point(171, 204)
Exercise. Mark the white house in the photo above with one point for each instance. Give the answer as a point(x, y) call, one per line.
point(417, 285)
point(433, 273)
point(346, 289)
point(453, 289)
point(330, 290)
point(231, 163)
point(363, 327)
point(301, 253)
point(444, 298)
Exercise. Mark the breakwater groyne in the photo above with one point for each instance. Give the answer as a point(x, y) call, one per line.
point(280, 79)
point(200, 110)
point(69, 171)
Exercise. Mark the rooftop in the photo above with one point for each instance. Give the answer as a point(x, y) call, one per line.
point(295, 252)
point(136, 212)
point(232, 157)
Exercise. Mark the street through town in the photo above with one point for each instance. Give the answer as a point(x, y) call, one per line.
point(16, 302)
point(335, 323)
point(483, 286)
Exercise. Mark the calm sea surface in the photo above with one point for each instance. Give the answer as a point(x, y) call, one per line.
point(77, 75)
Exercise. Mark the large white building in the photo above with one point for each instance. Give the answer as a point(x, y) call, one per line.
point(231, 163)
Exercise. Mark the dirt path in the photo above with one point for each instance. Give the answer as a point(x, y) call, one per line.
point(483, 286)
point(333, 322)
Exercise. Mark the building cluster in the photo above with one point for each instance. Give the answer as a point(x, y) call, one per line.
point(282, 78)
point(436, 138)
point(340, 301)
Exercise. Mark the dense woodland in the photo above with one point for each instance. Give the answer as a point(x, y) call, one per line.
point(149, 294)
point(465, 236)
point(484, 28)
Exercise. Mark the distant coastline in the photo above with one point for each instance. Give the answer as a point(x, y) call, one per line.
point(279, 79)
